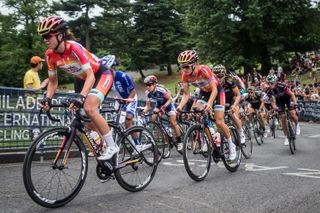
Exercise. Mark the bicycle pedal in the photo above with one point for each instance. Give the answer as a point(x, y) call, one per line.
point(106, 180)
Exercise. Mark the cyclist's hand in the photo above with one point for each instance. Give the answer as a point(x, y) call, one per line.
point(296, 106)
point(156, 110)
point(143, 114)
point(77, 103)
point(207, 107)
point(45, 103)
point(163, 108)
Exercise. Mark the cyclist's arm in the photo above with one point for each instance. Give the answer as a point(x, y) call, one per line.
point(146, 109)
point(262, 103)
point(237, 94)
point(52, 85)
point(214, 92)
point(89, 82)
point(185, 97)
point(293, 97)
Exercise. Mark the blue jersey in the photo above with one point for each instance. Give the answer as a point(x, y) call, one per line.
point(161, 95)
point(123, 84)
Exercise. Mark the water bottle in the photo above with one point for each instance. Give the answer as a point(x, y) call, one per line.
point(97, 140)
point(169, 131)
point(215, 134)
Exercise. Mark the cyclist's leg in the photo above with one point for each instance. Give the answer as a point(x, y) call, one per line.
point(96, 96)
point(173, 122)
point(237, 122)
point(281, 109)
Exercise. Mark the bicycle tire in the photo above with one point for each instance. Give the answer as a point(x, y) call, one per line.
point(273, 127)
point(161, 140)
point(291, 137)
point(247, 147)
point(231, 166)
point(256, 132)
point(40, 155)
point(146, 160)
point(195, 138)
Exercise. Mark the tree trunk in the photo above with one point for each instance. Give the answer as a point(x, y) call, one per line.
point(141, 73)
point(169, 69)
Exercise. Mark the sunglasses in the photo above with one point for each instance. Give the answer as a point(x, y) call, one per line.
point(148, 85)
point(48, 35)
point(185, 66)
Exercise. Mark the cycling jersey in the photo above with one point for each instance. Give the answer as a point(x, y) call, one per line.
point(280, 90)
point(161, 96)
point(74, 60)
point(255, 101)
point(228, 85)
point(122, 84)
point(201, 79)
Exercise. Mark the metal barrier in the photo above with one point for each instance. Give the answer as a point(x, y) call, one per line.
point(20, 121)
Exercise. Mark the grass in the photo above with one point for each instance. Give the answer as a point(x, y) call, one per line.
point(304, 78)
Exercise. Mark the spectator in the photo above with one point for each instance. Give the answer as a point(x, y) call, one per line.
point(31, 78)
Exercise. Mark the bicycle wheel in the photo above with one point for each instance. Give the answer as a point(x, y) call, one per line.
point(256, 132)
point(233, 165)
point(196, 153)
point(273, 127)
point(160, 139)
point(291, 137)
point(247, 147)
point(135, 172)
point(55, 184)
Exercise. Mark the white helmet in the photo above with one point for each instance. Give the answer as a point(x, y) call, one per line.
point(109, 61)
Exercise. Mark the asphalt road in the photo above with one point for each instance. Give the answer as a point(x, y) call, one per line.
point(273, 180)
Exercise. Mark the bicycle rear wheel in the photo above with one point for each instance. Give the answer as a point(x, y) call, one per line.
point(256, 132)
point(247, 147)
point(55, 184)
point(291, 137)
point(233, 165)
point(273, 127)
point(136, 171)
point(196, 153)
point(160, 139)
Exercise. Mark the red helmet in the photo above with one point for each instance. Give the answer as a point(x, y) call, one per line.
point(151, 79)
point(52, 25)
point(188, 57)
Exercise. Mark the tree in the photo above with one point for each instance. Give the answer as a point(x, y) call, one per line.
point(80, 9)
point(159, 33)
point(244, 33)
point(19, 40)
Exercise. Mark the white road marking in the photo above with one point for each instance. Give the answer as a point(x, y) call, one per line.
point(314, 136)
point(252, 167)
point(309, 173)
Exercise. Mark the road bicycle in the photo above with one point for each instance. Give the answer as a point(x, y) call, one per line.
point(258, 129)
point(199, 146)
point(56, 164)
point(291, 132)
point(163, 134)
point(247, 147)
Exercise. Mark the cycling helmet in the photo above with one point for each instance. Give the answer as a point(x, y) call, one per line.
point(52, 25)
point(151, 79)
point(109, 61)
point(219, 69)
point(251, 89)
point(187, 57)
point(272, 78)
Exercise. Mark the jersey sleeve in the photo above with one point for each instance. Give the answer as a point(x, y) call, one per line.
point(50, 60)
point(78, 53)
point(127, 83)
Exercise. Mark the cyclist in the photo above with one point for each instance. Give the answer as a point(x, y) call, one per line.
point(233, 96)
point(283, 97)
point(71, 57)
point(255, 102)
point(164, 104)
point(202, 77)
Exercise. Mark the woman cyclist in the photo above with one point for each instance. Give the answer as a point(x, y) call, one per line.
point(202, 77)
point(73, 58)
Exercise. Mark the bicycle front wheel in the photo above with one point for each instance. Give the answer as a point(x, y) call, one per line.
point(257, 132)
point(196, 153)
point(53, 173)
point(291, 137)
point(247, 147)
point(136, 170)
point(231, 165)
